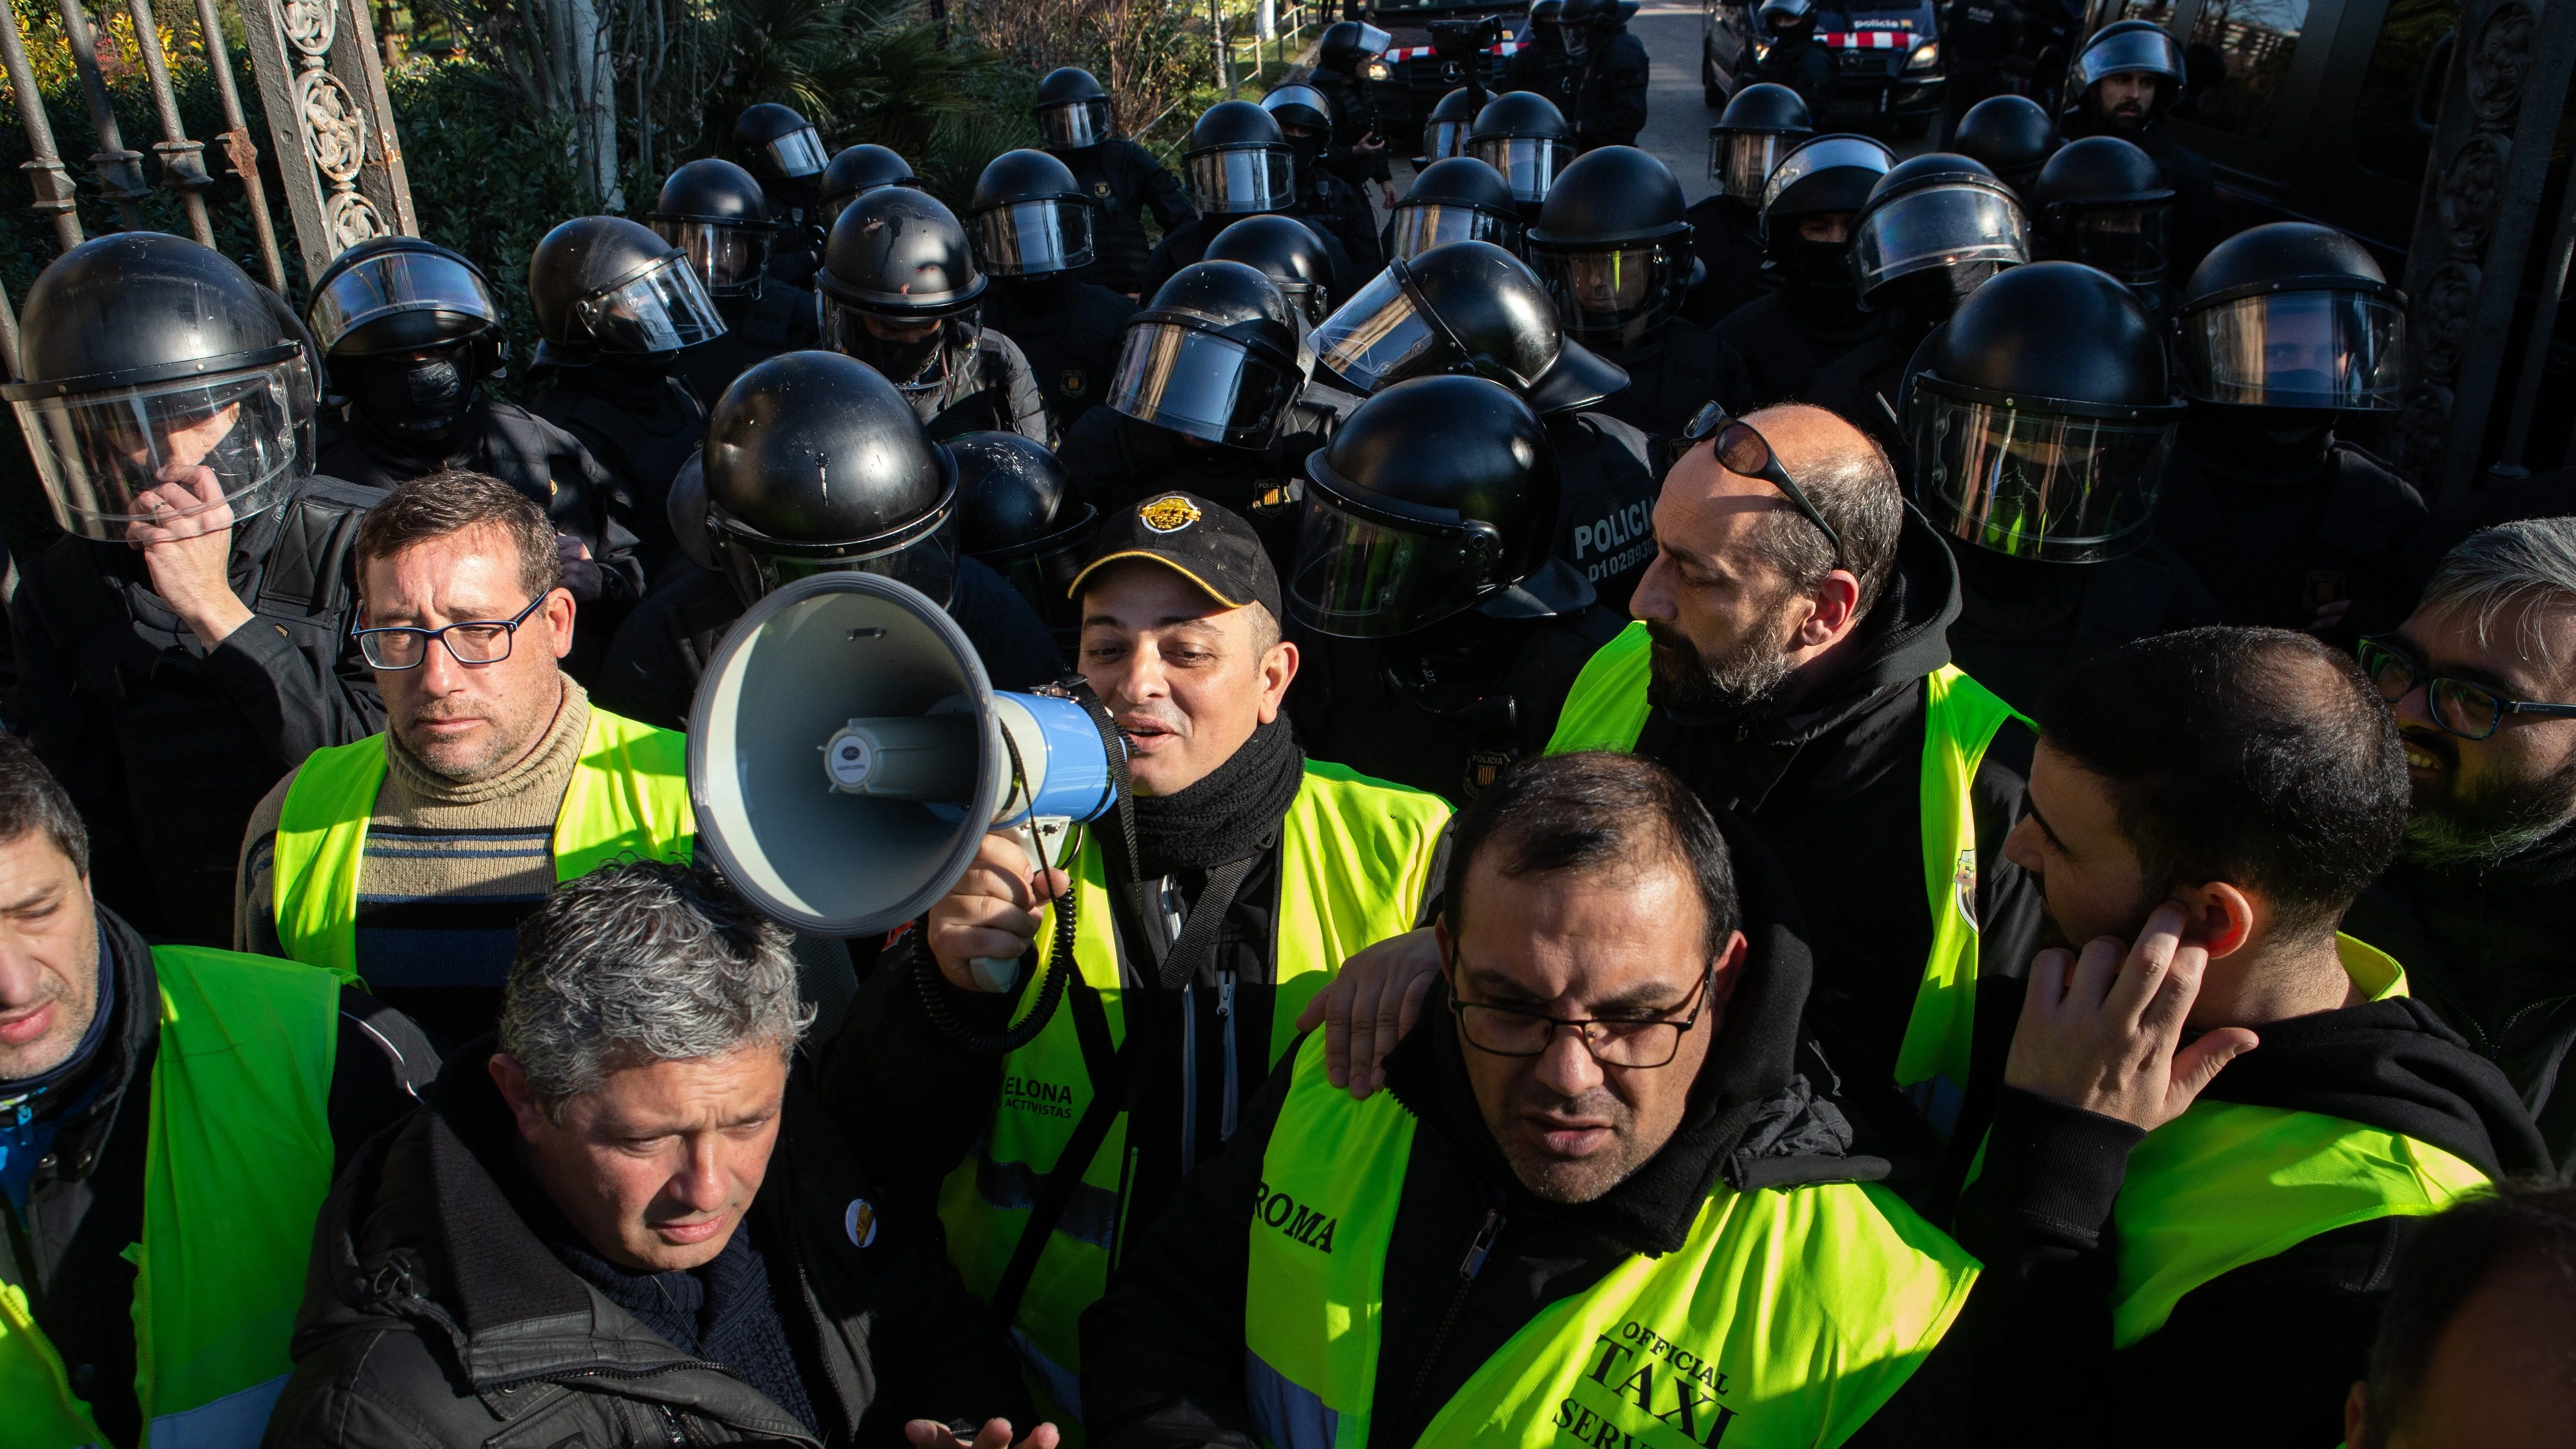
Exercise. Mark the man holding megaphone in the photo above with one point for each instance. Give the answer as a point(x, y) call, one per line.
point(1251, 874)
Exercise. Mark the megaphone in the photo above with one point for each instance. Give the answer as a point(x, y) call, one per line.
point(847, 754)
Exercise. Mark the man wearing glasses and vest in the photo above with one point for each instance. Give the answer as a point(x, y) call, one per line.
point(1252, 875)
point(410, 857)
point(1789, 661)
point(1602, 1201)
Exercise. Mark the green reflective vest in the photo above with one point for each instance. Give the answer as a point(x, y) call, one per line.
point(2226, 1184)
point(629, 792)
point(1607, 709)
point(1788, 1317)
point(1354, 857)
point(236, 1163)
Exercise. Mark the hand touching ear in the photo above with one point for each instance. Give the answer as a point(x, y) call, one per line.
point(2103, 1031)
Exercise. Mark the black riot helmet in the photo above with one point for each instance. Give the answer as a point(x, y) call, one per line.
point(2292, 315)
point(1444, 130)
point(1784, 19)
point(133, 350)
point(2041, 424)
point(1612, 246)
point(410, 333)
point(1073, 111)
point(1596, 18)
point(714, 211)
point(1436, 496)
point(603, 284)
point(1821, 176)
point(815, 463)
point(1464, 307)
point(1238, 161)
point(2104, 202)
point(1934, 229)
point(1288, 252)
point(1760, 123)
point(2011, 135)
point(775, 141)
point(1217, 355)
point(1030, 217)
point(2130, 47)
point(1523, 136)
point(1300, 105)
point(1016, 511)
point(858, 170)
point(1460, 199)
point(901, 260)
point(1347, 44)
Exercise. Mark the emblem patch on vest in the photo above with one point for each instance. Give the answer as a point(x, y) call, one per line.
point(1169, 514)
point(1100, 188)
point(1965, 878)
point(860, 1222)
point(1074, 381)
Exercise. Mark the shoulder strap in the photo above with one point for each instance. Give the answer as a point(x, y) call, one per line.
point(309, 567)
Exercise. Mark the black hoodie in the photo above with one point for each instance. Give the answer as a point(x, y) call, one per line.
point(1163, 1354)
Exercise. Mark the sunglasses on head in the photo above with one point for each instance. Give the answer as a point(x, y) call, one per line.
point(1746, 453)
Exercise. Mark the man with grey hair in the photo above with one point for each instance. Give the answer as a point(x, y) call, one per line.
point(572, 1244)
point(2481, 905)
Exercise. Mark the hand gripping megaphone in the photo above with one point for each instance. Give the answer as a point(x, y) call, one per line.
point(847, 755)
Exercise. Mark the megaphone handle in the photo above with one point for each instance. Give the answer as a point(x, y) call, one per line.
point(993, 973)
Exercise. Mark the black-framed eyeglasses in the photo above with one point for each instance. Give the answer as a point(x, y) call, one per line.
point(1747, 453)
point(470, 641)
point(1633, 1043)
point(2471, 711)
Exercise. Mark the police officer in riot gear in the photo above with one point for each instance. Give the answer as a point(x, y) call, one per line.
point(1289, 253)
point(1792, 56)
point(2284, 330)
point(2127, 79)
point(714, 211)
point(2103, 202)
point(1812, 315)
point(1444, 129)
point(784, 151)
point(901, 293)
point(2010, 136)
point(1460, 199)
point(1544, 64)
point(1033, 229)
point(1981, 47)
point(1349, 57)
point(1616, 255)
point(187, 641)
point(615, 386)
point(1440, 634)
point(2040, 422)
point(1934, 229)
point(1471, 307)
point(1240, 164)
point(1073, 115)
point(1324, 196)
point(854, 171)
point(1525, 139)
point(1016, 513)
point(813, 463)
point(1759, 125)
point(1610, 96)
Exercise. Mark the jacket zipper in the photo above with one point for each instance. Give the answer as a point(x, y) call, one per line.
point(1225, 1013)
point(1478, 1249)
point(1189, 1078)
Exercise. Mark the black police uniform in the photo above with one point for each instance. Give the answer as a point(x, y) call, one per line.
point(1067, 329)
point(641, 423)
point(2276, 532)
point(2022, 620)
point(1673, 372)
point(1866, 386)
point(1804, 64)
point(1981, 40)
point(1784, 340)
point(1726, 237)
point(1127, 181)
point(781, 319)
point(1355, 119)
point(1545, 70)
point(1610, 99)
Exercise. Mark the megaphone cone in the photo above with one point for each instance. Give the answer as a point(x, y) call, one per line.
point(847, 753)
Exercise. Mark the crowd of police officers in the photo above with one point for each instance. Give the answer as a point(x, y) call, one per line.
point(1374, 478)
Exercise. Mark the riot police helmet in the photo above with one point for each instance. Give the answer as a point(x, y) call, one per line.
point(1217, 355)
point(1822, 176)
point(1016, 511)
point(1597, 16)
point(901, 290)
point(715, 211)
point(1238, 161)
point(1460, 199)
point(1936, 225)
point(1287, 251)
point(1029, 216)
point(1073, 111)
point(2103, 202)
point(1347, 44)
point(1523, 136)
point(1782, 19)
point(1546, 22)
point(2131, 47)
point(1436, 496)
point(858, 170)
point(1444, 130)
point(603, 284)
point(1612, 246)
point(775, 139)
point(2041, 422)
point(1464, 307)
point(1298, 106)
point(815, 463)
point(2011, 135)
point(158, 382)
point(400, 294)
point(1760, 122)
point(2292, 315)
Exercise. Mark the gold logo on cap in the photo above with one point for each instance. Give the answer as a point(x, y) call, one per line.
point(1169, 514)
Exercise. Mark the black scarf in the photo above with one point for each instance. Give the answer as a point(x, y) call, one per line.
point(1232, 813)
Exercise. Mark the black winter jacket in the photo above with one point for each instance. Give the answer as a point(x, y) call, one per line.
point(2020, 621)
point(1127, 182)
point(1784, 338)
point(1726, 236)
point(641, 425)
point(1673, 372)
point(1806, 65)
point(1610, 99)
point(783, 318)
point(1068, 330)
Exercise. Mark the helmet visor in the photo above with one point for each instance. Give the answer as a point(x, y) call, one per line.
point(1529, 163)
point(1034, 238)
point(1740, 161)
point(1422, 225)
point(2129, 242)
point(1444, 139)
point(1940, 226)
point(2127, 53)
point(1824, 154)
point(1620, 293)
point(729, 259)
point(1199, 385)
point(2295, 350)
point(2035, 485)
point(173, 460)
point(1379, 337)
point(1359, 578)
point(661, 309)
point(798, 153)
point(1243, 181)
point(1371, 40)
point(758, 566)
point(1073, 125)
point(391, 283)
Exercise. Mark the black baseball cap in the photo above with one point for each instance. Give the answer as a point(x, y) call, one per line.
point(1210, 546)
